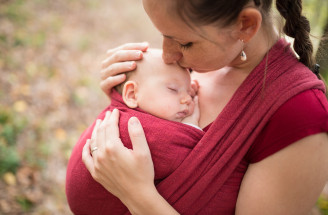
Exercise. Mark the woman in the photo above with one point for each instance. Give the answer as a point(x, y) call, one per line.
point(264, 113)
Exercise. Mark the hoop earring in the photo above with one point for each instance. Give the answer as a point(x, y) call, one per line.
point(243, 56)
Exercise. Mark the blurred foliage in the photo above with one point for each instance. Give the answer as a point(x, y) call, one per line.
point(323, 204)
point(10, 127)
point(317, 12)
point(49, 93)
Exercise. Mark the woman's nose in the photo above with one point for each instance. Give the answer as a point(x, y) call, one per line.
point(186, 99)
point(171, 53)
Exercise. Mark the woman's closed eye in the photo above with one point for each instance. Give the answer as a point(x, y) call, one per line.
point(186, 46)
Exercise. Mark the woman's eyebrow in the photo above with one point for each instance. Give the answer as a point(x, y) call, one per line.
point(170, 37)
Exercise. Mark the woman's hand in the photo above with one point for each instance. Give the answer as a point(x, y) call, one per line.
point(119, 60)
point(127, 174)
point(122, 171)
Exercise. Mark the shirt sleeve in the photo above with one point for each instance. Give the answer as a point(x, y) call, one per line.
point(303, 115)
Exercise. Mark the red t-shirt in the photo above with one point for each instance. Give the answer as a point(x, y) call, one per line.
point(301, 116)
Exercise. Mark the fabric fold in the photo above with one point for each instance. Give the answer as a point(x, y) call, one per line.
point(191, 186)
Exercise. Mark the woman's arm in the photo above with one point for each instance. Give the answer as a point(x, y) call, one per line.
point(288, 182)
point(118, 61)
point(127, 174)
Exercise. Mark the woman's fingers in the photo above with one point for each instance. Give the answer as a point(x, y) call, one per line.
point(112, 127)
point(138, 137)
point(110, 82)
point(87, 158)
point(94, 132)
point(129, 46)
point(117, 168)
point(141, 152)
point(117, 68)
point(120, 60)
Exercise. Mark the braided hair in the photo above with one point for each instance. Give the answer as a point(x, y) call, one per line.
point(297, 26)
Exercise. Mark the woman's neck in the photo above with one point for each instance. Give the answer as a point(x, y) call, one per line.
point(217, 87)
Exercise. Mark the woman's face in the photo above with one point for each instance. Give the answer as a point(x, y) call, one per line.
point(202, 49)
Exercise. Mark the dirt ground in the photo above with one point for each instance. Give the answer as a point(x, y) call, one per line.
point(50, 55)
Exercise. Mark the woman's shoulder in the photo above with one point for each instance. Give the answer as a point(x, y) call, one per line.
point(303, 115)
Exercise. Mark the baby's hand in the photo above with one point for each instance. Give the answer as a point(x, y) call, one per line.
point(194, 88)
point(194, 117)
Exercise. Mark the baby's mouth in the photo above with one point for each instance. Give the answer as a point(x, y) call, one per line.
point(182, 114)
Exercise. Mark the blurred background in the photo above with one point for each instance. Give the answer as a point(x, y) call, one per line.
point(50, 55)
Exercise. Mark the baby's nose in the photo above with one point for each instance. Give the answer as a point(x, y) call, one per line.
point(186, 100)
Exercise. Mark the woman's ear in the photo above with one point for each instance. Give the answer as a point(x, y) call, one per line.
point(249, 23)
point(129, 94)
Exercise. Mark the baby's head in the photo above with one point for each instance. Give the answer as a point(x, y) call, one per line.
point(160, 89)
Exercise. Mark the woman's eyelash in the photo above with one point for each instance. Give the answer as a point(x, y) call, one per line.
point(186, 46)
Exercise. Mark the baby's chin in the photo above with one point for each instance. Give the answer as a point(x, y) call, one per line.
point(180, 116)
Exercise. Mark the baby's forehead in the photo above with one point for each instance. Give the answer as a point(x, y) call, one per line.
point(152, 63)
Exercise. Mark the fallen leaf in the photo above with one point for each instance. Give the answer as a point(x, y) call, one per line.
point(10, 179)
point(20, 106)
point(60, 134)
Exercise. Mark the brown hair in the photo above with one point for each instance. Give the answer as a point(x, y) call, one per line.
point(128, 75)
point(225, 12)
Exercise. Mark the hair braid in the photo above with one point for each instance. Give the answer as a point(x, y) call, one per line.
point(298, 27)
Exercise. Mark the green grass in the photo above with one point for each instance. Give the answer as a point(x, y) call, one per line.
point(11, 126)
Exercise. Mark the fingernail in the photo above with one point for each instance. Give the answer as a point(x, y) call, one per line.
point(144, 43)
point(138, 54)
point(132, 64)
point(115, 111)
point(134, 121)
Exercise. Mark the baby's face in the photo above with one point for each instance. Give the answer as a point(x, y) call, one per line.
point(164, 90)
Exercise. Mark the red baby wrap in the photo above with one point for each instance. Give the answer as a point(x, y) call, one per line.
point(169, 142)
point(191, 175)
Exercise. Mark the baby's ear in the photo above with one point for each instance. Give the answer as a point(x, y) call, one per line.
point(129, 94)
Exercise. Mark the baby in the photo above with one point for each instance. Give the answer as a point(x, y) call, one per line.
point(159, 95)
point(163, 90)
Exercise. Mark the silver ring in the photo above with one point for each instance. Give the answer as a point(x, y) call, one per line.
point(94, 149)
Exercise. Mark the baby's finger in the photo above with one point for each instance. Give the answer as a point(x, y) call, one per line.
point(194, 87)
point(196, 113)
